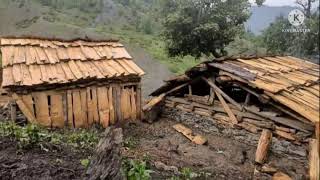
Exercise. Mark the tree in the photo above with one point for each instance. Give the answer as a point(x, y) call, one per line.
point(302, 44)
point(306, 5)
point(203, 26)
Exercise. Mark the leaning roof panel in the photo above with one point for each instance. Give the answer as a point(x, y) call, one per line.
point(290, 81)
point(30, 62)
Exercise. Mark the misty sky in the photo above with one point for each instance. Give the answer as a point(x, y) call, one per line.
point(278, 2)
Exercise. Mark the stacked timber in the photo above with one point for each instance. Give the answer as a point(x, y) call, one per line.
point(247, 120)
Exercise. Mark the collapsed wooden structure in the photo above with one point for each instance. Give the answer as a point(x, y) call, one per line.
point(278, 95)
point(75, 83)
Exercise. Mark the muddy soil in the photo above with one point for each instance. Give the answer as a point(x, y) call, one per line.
point(58, 163)
point(221, 158)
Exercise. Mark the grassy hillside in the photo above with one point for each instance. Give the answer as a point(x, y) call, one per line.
point(128, 20)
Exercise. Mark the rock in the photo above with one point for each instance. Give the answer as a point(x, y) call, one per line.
point(161, 166)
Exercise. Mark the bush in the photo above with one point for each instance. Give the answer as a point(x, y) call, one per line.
point(136, 170)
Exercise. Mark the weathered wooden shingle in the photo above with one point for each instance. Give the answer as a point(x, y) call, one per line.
point(30, 62)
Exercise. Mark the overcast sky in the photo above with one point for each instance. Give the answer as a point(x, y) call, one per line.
point(278, 2)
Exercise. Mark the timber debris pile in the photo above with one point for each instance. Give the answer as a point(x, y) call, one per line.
point(277, 96)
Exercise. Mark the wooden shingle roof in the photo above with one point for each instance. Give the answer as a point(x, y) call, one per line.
point(290, 81)
point(30, 61)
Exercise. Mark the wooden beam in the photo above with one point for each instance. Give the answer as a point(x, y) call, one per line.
point(190, 89)
point(13, 111)
point(314, 159)
point(217, 89)
point(263, 146)
point(227, 108)
point(25, 110)
point(212, 93)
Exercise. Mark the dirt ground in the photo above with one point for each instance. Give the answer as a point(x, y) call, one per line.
point(58, 163)
point(221, 158)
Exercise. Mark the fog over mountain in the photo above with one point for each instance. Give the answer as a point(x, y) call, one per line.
point(262, 17)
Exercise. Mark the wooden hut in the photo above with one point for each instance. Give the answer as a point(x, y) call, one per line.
point(278, 95)
point(75, 83)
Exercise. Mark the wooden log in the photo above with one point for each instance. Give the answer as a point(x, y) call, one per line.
point(106, 162)
point(314, 159)
point(263, 146)
point(249, 127)
point(232, 117)
point(187, 132)
point(262, 124)
point(288, 136)
point(198, 99)
point(223, 79)
point(288, 130)
point(281, 176)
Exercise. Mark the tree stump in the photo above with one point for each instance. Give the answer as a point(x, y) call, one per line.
point(106, 163)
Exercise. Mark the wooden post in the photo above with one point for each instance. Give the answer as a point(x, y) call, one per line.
point(314, 159)
point(217, 89)
point(248, 97)
point(227, 109)
point(212, 93)
point(263, 146)
point(190, 90)
point(138, 101)
point(13, 111)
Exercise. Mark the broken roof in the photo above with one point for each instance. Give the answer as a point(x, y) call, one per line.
point(290, 81)
point(28, 62)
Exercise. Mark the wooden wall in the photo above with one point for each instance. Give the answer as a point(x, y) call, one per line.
point(82, 107)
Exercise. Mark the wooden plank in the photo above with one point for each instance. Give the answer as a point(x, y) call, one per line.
point(263, 146)
point(95, 105)
point(77, 111)
point(125, 104)
point(232, 117)
point(84, 106)
point(314, 160)
point(56, 113)
point(139, 101)
point(17, 73)
point(311, 115)
point(103, 106)
point(24, 108)
point(133, 104)
point(42, 108)
point(111, 105)
point(90, 106)
point(286, 135)
point(70, 109)
point(118, 103)
point(217, 89)
point(28, 101)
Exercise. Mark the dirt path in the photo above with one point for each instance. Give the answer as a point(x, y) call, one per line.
point(155, 71)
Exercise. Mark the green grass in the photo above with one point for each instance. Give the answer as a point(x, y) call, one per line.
point(31, 136)
point(154, 45)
